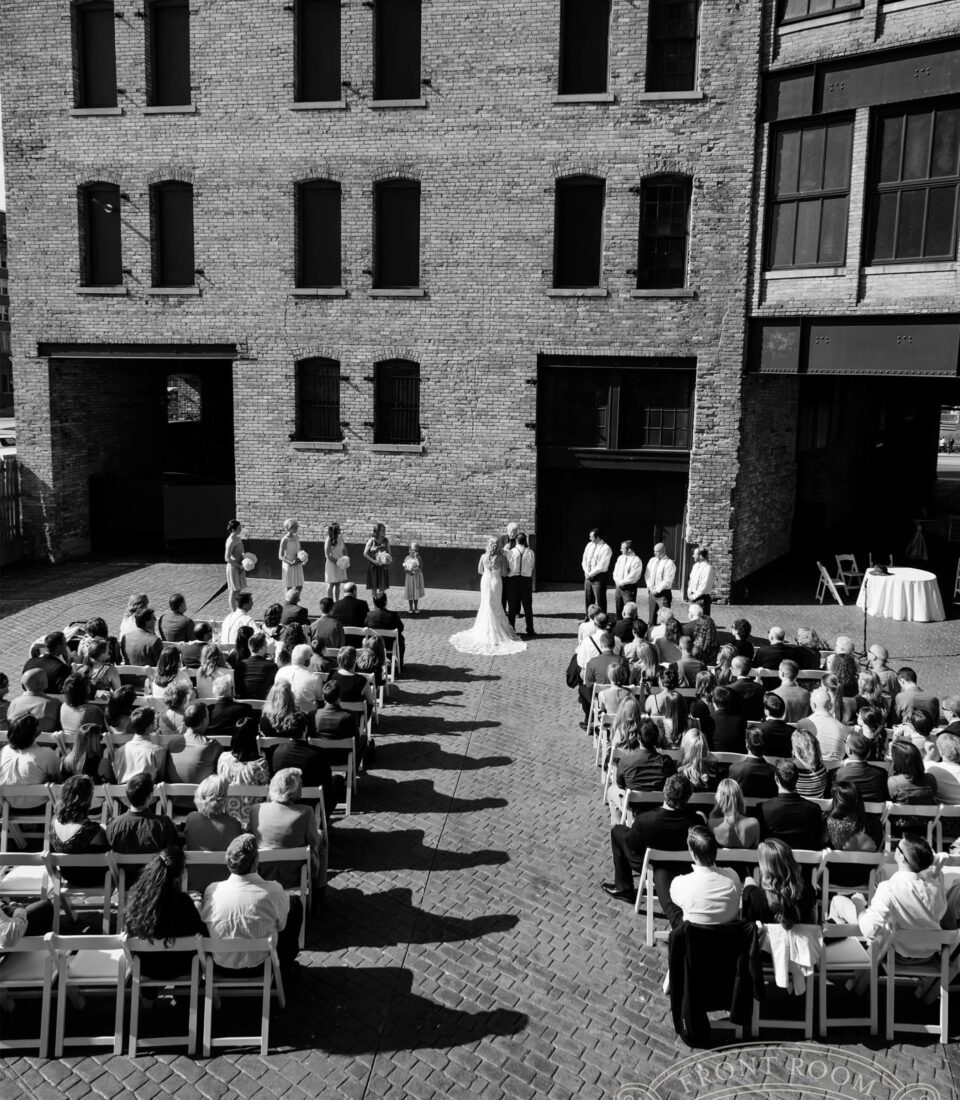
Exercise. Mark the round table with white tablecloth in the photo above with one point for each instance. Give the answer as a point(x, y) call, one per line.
point(910, 595)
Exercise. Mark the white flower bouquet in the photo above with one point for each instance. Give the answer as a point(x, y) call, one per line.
point(249, 562)
point(383, 558)
point(343, 562)
point(303, 557)
point(411, 565)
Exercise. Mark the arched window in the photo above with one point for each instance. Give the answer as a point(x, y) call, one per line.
point(664, 228)
point(672, 46)
point(578, 231)
point(100, 256)
point(396, 384)
point(397, 233)
point(95, 77)
point(318, 400)
point(184, 399)
point(171, 204)
point(318, 233)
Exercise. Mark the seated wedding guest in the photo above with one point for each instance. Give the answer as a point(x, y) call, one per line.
point(158, 909)
point(242, 615)
point(292, 611)
point(193, 756)
point(586, 628)
point(53, 660)
point(16, 921)
point(756, 777)
point(628, 627)
point(290, 637)
point(664, 827)
point(175, 625)
point(176, 698)
point(72, 833)
point(728, 820)
point(946, 770)
point(243, 764)
point(326, 632)
point(657, 631)
point(645, 668)
point(910, 696)
point(697, 763)
point(597, 668)
point(702, 707)
point(209, 828)
point(847, 828)
point(304, 684)
point(641, 766)
point(25, 763)
point(141, 754)
point(382, 619)
point(749, 694)
point(226, 712)
point(870, 694)
point(668, 708)
point(813, 779)
point(776, 651)
point(741, 639)
point(951, 714)
point(877, 656)
point(917, 728)
point(842, 706)
point(139, 830)
point(782, 896)
point(100, 668)
point(667, 644)
point(702, 632)
point(312, 763)
point(626, 723)
point(729, 725)
point(708, 894)
point(796, 699)
point(76, 710)
point(724, 669)
point(87, 757)
point(246, 906)
point(96, 630)
point(142, 646)
point(283, 821)
point(120, 707)
point(191, 652)
point(35, 702)
point(213, 667)
point(278, 705)
point(371, 658)
point(333, 723)
point(169, 671)
point(687, 667)
point(777, 734)
point(909, 784)
point(808, 648)
point(258, 670)
point(353, 687)
point(272, 614)
point(870, 725)
point(788, 817)
point(135, 604)
point(614, 695)
point(831, 734)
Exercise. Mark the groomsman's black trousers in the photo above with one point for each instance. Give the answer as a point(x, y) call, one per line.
point(626, 593)
point(521, 597)
point(509, 587)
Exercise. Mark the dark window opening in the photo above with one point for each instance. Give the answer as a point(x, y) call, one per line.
point(396, 402)
point(578, 232)
point(397, 234)
point(318, 233)
point(664, 228)
point(168, 35)
point(915, 183)
point(809, 9)
point(810, 192)
point(584, 33)
point(96, 55)
point(184, 399)
point(318, 400)
point(397, 49)
point(100, 234)
point(172, 206)
point(672, 46)
point(318, 51)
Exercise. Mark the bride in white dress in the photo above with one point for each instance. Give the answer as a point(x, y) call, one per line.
point(491, 634)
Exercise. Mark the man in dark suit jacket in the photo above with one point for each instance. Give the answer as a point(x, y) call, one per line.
point(350, 611)
point(749, 694)
point(257, 672)
point(623, 628)
point(382, 619)
point(226, 712)
point(665, 828)
point(756, 777)
point(190, 654)
point(174, 625)
point(729, 725)
point(292, 611)
point(142, 646)
point(53, 661)
point(326, 632)
point(333, 723)
point(770, 656)
point(598, 672)
point(808, 656)
point(869, 780)
point(788, 817)
point(777, 734)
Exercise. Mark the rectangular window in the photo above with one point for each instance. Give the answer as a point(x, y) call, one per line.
point(578, 231)
point(4, 341)
point(809, 195)
point(914, 184)
point(168, 34)
point(4, 312)
point(100, 211)
point(397, 402)
point(318, 51)
point(793, 10)
point(96, 56)
point(397, 234)
point(318, 233)
point(672, 46)
point(656, 410)
point(664, 225)
point(397, 49)
point(173, 234)
point(318, 400)
point(584, 33)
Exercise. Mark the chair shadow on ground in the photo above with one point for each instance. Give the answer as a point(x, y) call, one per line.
point(431, 725)
point(428, 756)
point(403, 849)
point(447, 674)
point(412, 697)
point(384, 795)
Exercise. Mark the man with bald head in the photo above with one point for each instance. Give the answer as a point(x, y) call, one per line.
point(349, 610)
point(777, 650)
point(35, 701)
point(659, 577)
point(747, 692)
point(831, 734)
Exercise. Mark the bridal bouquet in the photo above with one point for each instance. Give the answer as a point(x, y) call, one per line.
point(383, 558)
point(303, 557)
point(411, 565)
point(343, 562)
point(249, 562)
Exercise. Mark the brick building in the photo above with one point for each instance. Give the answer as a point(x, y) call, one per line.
point(854, 292)
point(6, 363)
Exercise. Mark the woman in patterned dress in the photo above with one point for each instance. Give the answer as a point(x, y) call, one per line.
point(334, 549)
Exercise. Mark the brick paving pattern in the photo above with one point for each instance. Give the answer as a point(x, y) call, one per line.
point(464, 948)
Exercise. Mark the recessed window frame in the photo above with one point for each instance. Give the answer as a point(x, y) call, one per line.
point(100, 234)
point(395, 271)
point(317, 399)
point(656, 79)
point(396, 402)
point(309, 273)
point(566, 199)
point(165, 262)
point(318, 30)
point(161, 90)
point(647, 278)
point(388, 83)
point(87, 48)
point(567, 82)
point(832, 7)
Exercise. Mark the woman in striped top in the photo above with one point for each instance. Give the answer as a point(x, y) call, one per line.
point(814, 779)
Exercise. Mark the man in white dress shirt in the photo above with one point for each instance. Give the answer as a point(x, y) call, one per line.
point(240, 617)
point(700, 585)
point(627, 572)
point(659, 578)
point(596, 564)
point(522, 561)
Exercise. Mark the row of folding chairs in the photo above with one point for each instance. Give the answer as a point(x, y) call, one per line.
point(66, 969)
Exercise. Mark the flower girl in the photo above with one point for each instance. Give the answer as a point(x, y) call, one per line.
point(413, 585)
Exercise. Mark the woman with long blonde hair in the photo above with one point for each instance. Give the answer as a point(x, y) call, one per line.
point(728, 819)
point(781, 896)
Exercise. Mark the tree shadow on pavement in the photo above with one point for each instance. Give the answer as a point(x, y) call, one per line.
point(403, 849)
point(428, 756)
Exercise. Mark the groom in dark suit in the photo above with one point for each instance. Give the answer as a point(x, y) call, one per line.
point(505, 544)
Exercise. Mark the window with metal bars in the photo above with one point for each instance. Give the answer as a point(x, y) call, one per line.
point(318, 233)
point(396, 402)
point(172, 218)
point(578, 231)
point(317, 77)
point(794, 10)
point(396, 39)
point(664, 227)
point(168, 53)
point(915, 183)
point(318, 400)
point(101, 260)
point(584, 34)
point(672, 46)
point(809, 194)
point(96, 73)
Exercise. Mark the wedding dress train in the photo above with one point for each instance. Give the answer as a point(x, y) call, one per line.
point(491, 634)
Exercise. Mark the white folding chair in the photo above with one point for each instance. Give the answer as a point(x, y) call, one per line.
point(826, 584)
point(805, 1024)
point(27, 970)
point(847, 955)
point(194, 880)
point(24, 875)
point(71, 898)
point(947, 813)
point(348, 769)
point(315, 795)
point(133, 949)
point(138, 675)
point(937, 967)
point(88, 965)
point(593, 713)
point(868, 862)
point(169, 792)
point(218, 983)
point(24, 806)
point(847, 570)
point(924, 817)
point(277, 857)
point(253, 704)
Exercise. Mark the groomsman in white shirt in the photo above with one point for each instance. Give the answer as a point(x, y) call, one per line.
point(596, 564)
point(522, 562)
point(627, 572)
point(659, 578)
point(700, 585)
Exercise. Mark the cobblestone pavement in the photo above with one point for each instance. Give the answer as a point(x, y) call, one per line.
point(465, 948)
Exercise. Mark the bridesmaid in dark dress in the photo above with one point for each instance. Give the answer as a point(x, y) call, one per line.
point(377, 553)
